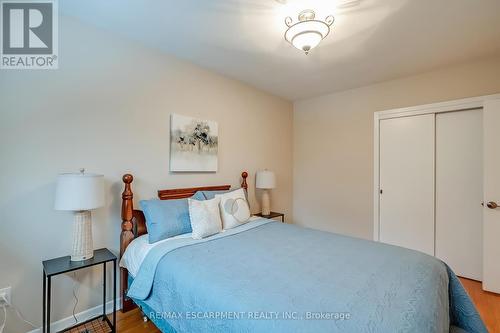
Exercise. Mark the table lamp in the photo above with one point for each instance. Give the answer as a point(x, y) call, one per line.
point(265, 180)
point(80, 192)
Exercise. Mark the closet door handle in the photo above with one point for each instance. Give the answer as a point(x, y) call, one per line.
point(492, 205)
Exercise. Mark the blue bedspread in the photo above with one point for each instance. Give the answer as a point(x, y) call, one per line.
point(273, 277)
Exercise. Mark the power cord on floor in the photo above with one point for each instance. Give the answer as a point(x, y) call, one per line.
point(20, 316)
point(4, 306)
point(4, 319)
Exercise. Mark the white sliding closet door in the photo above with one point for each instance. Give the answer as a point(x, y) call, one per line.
point(407, 182)
point(491, 222)
point(459, 191)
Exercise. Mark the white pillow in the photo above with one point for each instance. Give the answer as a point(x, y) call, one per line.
point(234, 208)
point(205, 217)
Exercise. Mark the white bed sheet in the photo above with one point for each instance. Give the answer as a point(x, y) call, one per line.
point(139, 248)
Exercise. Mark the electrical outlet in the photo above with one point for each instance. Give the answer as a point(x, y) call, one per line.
point(5, 296)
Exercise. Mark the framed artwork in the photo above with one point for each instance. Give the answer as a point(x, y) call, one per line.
point(194, 144)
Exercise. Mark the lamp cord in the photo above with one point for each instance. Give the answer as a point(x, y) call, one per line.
point(74, 296)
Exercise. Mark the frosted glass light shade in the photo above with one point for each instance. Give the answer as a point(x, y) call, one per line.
point(79, 191)
point(308, 32)
point(307, 35)
point(265, 179)
point(307, 41)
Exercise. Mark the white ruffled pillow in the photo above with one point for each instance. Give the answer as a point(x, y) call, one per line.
point(234, 208)
point(205, 217)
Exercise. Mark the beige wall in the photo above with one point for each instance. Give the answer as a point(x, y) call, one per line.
point(107, 109)
point(333, 142)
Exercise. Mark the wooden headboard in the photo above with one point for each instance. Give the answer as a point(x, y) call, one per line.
point(134, 222)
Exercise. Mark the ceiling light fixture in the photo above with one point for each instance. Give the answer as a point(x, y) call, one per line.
point(307, 33)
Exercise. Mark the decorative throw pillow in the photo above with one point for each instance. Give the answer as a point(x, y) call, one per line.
point(166, 218)
point(199, 196)
point(211, 194)
point(234, 208)
point(205, 217)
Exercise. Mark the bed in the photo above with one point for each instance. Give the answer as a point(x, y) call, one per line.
point(266, 276)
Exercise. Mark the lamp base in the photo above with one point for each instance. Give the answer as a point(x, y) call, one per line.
point(266, 204)
point(83, 248)
point(82, 258)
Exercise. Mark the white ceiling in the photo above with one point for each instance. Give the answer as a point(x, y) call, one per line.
point(371, 40)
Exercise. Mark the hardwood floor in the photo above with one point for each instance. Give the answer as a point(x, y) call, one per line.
point(488, 305)
point(132, 322)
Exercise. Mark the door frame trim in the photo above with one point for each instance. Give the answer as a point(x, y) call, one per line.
point(434, 108)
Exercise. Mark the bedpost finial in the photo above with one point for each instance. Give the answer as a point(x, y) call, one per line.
point(127, 178)
point(244, 184)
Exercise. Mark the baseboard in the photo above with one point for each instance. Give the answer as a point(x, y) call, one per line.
point(81, 317)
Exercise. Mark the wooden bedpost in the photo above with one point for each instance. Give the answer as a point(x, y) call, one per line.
point(127, 211)
point(244, 184)
point(126, 236)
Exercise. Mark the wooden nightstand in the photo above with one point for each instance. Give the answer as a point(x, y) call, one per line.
point(63, 265)
point(273, 215)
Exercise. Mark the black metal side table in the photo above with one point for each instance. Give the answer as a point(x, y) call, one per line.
point(63, 265)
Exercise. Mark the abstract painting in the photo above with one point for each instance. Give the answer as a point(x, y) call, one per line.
point(193, 144)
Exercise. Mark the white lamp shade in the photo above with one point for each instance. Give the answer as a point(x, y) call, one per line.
point(265, 179)
point(79, 191)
